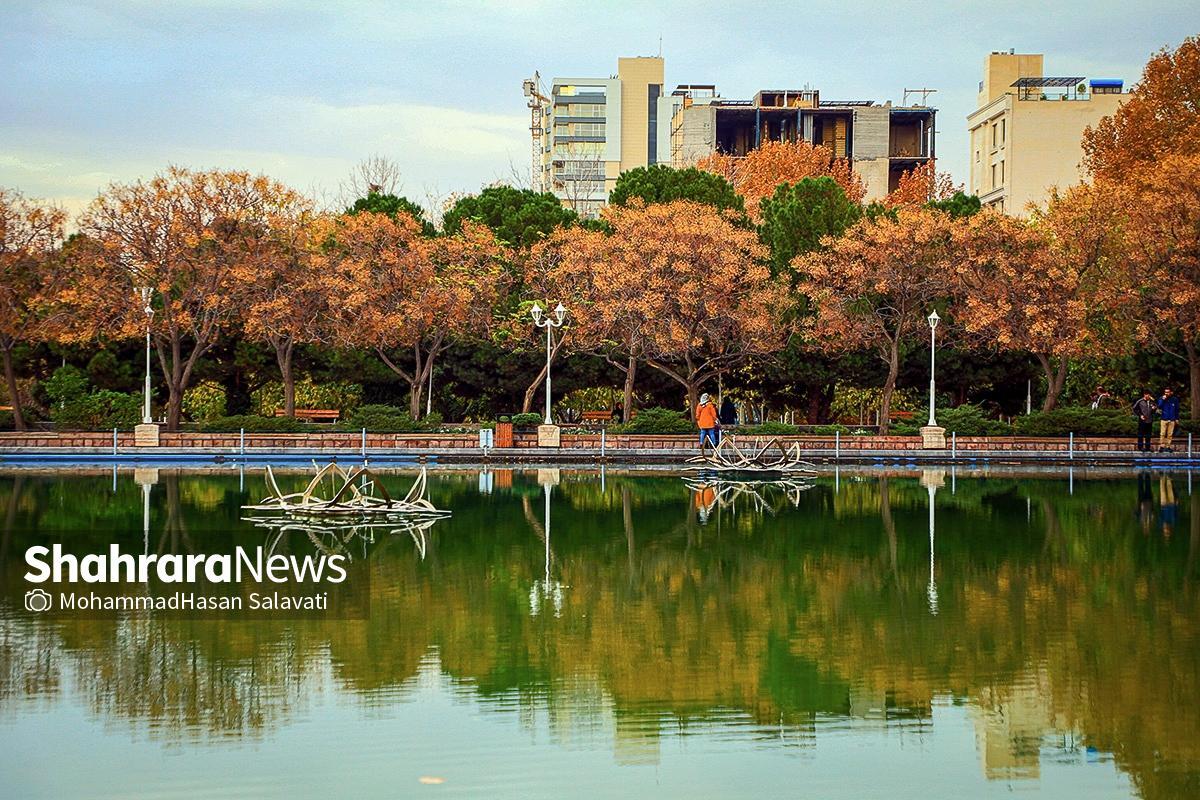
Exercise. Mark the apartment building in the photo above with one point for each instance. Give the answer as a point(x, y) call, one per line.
point(596, 128)
point(1026, 134)
point(880, 140)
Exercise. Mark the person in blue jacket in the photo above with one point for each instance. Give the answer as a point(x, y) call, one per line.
point(1168, 408)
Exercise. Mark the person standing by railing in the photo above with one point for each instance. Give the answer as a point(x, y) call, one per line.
point(1144, 410)
point(1168, 407)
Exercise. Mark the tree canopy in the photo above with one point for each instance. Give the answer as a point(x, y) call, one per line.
point(659, 183)
point(799, 215)
point(518, 217)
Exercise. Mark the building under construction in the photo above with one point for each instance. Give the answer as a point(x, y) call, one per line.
point(588, 130)
point(881, 141)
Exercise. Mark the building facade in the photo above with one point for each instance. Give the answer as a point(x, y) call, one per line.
point(880, 140)
point(596, 128)
point(1026, 134)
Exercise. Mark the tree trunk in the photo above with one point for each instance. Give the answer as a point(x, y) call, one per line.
point(693, 397)
point(174, 405)
point(10, 380)
point(283, 354)
point(1193, 376)
point(889, 387)
point(531, 390)
point(1056, 378)
point(630, 377)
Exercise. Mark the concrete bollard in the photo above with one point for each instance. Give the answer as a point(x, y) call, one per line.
point(953, 445)
point(837, 445)
point(364, 444)
point(242, 442)
point(115, 441)
point(1071, 446)
point(1189, 444)
point(603, 444)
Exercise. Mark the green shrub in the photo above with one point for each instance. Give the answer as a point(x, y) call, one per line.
point(252, 423)
point(769, 429)
point(1081, 420)
point(6, 421)
point(526, 420)
point(66, 384)
point(389, 419)
point(965, 420)
point(204, 401)
point(101, 410)
point(656, 420)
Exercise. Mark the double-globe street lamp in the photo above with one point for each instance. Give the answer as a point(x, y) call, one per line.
point(543, 320)
point(145, 293)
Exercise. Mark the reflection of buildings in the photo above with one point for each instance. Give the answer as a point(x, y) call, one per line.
point(1013, 723)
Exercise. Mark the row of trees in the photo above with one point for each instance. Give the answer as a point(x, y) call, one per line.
point(769, 269)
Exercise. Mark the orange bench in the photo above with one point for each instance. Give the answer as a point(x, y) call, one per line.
point(313, 414)
point(597, 416)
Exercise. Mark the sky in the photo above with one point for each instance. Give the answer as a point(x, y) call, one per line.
point(102, 92)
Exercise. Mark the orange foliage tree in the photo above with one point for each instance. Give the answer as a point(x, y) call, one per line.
point(1041, 286)
point(1163, 248)
point(187, 235)
point(287, 295)
point(398, 292)
point(677, 286)
point(756, 175)
point(1160, 117)
point(874, 286)
point(30, 235)
point(921, 185)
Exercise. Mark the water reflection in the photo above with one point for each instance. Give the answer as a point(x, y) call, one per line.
point(1061, 626)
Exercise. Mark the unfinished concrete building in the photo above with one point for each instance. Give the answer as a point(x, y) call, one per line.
point(881, 141)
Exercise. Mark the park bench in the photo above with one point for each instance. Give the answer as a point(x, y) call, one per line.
point(313, 414)
point(597, 416)
point(903, 415)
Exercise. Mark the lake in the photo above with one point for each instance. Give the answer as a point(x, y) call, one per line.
point(1031, 632)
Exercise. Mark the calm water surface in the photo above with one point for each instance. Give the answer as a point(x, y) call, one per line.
point(660, 640)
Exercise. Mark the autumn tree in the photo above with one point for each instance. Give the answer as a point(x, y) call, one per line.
point(762, 169)
point(408, 297)
point(1162, 201)
point(1160, 117)
point(679, 285)
point(30, 234)
point(923, 184)
point(874, 286)
point(287, 295)
point(1040, 286)
point(188, 236)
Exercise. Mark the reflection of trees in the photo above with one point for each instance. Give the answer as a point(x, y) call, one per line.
point(1075, 624)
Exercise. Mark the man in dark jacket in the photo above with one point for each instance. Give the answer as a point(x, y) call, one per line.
point(1168, 407)
point(1145, 409)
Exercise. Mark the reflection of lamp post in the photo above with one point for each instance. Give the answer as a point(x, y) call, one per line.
point(931, 479)
point(546, 589)
point(548, 322)
point(145, 292)
point(932, 591)
point(933, 437)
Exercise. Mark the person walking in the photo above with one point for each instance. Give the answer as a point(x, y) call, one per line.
point(709, 421)
point(1145, 409)
point(1168, 407)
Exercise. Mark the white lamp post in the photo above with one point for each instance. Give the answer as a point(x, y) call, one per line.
point(548, 322)
point(145, 292)
point(933, 323)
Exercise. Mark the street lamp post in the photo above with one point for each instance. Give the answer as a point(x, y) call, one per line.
point(932, 436)
point(547, 321)
point(145, 292)
point(933, 323)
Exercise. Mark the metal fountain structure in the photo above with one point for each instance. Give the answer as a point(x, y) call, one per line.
point(769, 457)
point(340, 505)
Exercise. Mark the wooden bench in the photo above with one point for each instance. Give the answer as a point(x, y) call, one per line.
point(903, 414)
point(597, 416)
point(313, 414)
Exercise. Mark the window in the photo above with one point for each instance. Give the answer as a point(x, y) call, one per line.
point(994, 184)
point(1002, 172)
point(1003, 126)
point(995, 128)
point(976, 156)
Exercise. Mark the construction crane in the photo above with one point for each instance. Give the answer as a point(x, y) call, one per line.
point(537, 104)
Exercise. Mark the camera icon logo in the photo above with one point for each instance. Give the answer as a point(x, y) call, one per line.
point(38, 600)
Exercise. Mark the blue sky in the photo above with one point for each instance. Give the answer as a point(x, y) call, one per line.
point(97, 92)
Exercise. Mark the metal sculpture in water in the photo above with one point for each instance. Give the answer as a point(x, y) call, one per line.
point(771, 457)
